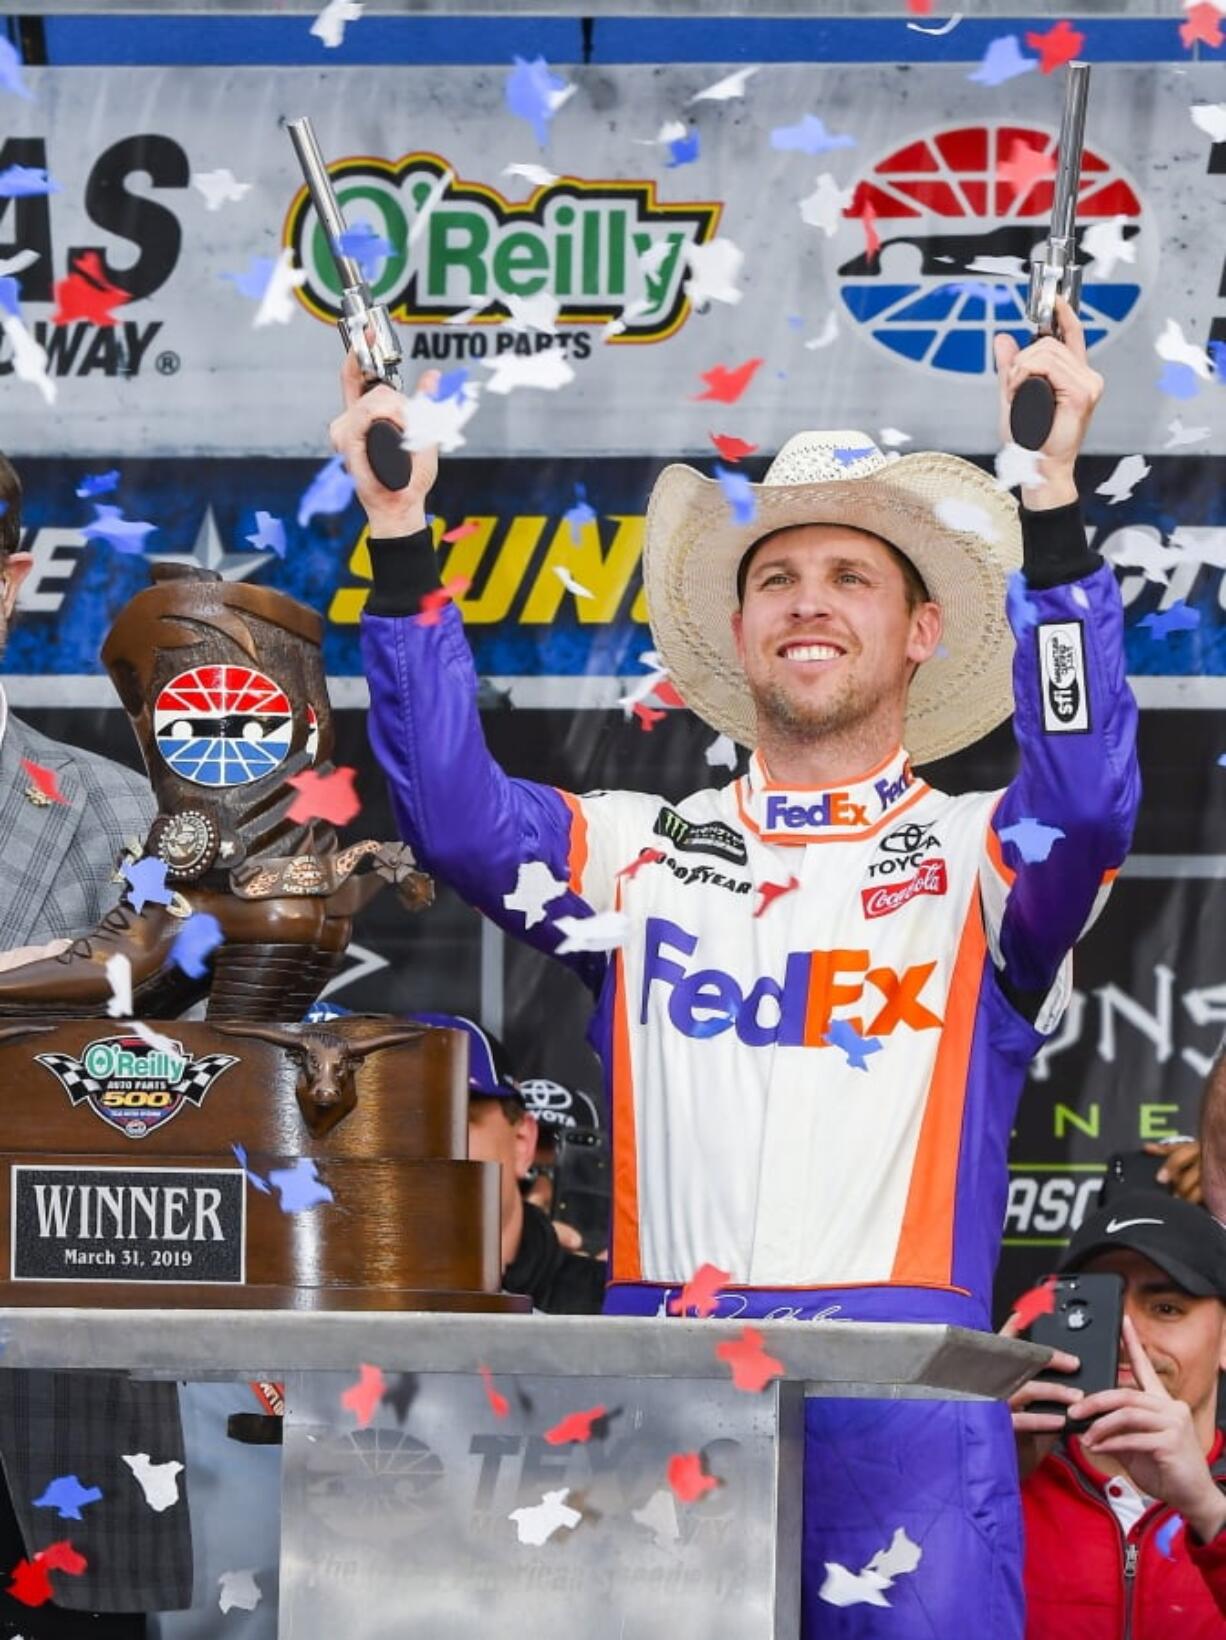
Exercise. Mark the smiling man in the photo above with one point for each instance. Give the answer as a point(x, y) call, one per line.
point(829, 977)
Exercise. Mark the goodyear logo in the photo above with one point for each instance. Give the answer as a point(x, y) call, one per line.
point(608, 251)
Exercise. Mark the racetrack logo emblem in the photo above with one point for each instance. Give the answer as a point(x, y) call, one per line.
point(132, 1086)
point(957, 218)
point(609, 251)
point(1062, 668)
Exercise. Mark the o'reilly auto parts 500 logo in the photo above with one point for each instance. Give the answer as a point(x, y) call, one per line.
point(135, 1087)
point(958, 212)
point(606, 250)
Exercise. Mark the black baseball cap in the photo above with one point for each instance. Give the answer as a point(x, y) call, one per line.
point(1181, 1239)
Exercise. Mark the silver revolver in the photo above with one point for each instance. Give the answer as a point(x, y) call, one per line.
point(1054, 270)
point(364, 324)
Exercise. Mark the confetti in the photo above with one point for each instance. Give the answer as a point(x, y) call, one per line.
point(199, 935)
point(1173, 346)
point(426, 209)
point(277, 305)
point(1142, 548)
point(603, 931)
point(1178, 618)
point(536, 174)
point(828, 333)
point(329, 27)
point(646, 857)
point(721, 753)
point(1017, 466)
point(461, 532)
point(119, 978)
point(847, 456)
point(269, 534)
point(892, 438)
point(1201, 26)
point(738, 492)
point(1166, 1535)
point(726, 89)
point(648, 716)
point(683, 150)
point(87, 294)
point(535, 888)
point(687, 1477)
point(967, 517)
point(1023, 167)
point(1022, 611)
point(572, 586)
point(920, 8)
point(31, 1584)
point(659, 1515)
point(752, 1369)
point(253, 1178)
point(499, 1405)
point(254, 281)
point(1178, 436)
point(330, 491)
point(768, 893)
point(867, 217)
point(300, 1186)
point(725, 386)
point(1036, 1301)
point(450, 385)
point(62, 1557)
point(220, 188)
point(431, 420)
point(810, 136)
point(536, 1523)
point(1178, 381)
point(539, 312)
point(576, 1426)
point(1031, 838)
point(239, 1589)
point(866, 1587)
point(324, 796)
point(362, 1398)
point(154, 1039)
point(946, 27)
point(545, 370)
point(580, 514)
point(1058, 46)
point(536, 95)
point(430, 611)
point(842, 1034)
point(97, 484)
point(123, 534)
point(1002, 61)
point(25, 181)
point(45, 780)
point(1123, 479)
point(10, 71)
point(66, 1495)
point(824, 208)
point(714, 270)
point(701, 1292)
point(1211, 119)
point(158, 1481)
point(1104, 244)
point(147, 882)
point(730, 447)
point(367, 248)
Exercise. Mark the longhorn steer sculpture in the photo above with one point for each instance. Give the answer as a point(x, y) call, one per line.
point(327, 1062)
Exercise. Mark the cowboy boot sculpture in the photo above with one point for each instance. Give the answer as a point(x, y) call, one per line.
point(224, 685)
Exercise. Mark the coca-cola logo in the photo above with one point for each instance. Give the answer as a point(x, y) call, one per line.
point(887, 897)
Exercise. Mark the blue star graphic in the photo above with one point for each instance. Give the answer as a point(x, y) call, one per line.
point(1031, 838)
point(269, 534)
point(123, 534)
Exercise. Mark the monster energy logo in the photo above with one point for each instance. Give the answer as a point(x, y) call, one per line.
point(712, 838)
point(606, 250)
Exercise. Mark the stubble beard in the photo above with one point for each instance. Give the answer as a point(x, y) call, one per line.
point(782, 717)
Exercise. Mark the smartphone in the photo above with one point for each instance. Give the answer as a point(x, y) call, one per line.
point(582, 1185)
point(1085, 1321)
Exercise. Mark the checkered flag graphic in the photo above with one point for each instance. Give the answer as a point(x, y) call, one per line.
point(203, 1074)
point(76, 1080)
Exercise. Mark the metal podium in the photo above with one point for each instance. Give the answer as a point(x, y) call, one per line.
point(403, 1528)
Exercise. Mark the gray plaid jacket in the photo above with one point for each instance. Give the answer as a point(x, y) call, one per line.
point(56, 864)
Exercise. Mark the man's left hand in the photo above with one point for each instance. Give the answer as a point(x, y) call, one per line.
point(1153, 1436)
point(1077, 388)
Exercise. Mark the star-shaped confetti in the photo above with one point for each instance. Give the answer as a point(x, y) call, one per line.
point(739, 494)
point(646, 857)
point(499, 1405)
point(269, 534)
point(535, 1524)
point(842, 1034)
point(535, 888)
point(687, 1477)
point(239, 1589)
point(147, 882)
point(110, 525)
point(732, 85)
point(602, 932)
point(220, 188)
point(87, 294)
point(1123, 479)
point(535, 95)
point(1003, 60)
point(548, 370)
point(46, 781)
point(97, 484)
point(438, 418)
point(1024, 166)
point(647, 716)
point(768, 893)
point(576, 1426)
point(328, 797)
point(1058, 46)
point(714, 270)
point(434, 602)
point(1031, 838)
point(810, 136)
point(118, 969)
point(1202, 26)
point(700, 1293)
point(725, 385)
point(26, 181)
point(300, 1187)
point(1036, 1301)
point(66, 1495)
point(752, 1368)
point(1104, 244)
point(1017, 466)
point(199, 936)
point(158, 1481)
point(277, 304)
point(367, 248)
point(1178, 618)
point(841, 1587)
point(1173, 346)
point(580, 514)
point(730, 447)
point(253, 281)
point(329, 27)
point(330, 491)
point(362, 1398)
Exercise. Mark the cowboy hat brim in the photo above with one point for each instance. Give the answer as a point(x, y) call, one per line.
point(693, 548)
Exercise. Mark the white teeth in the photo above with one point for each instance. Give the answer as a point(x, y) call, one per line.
point(811, 652)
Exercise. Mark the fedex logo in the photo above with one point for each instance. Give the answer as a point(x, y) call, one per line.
point(832, 808)
point(791, 1013)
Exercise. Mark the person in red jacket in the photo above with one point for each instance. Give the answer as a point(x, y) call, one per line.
point(1125, 1523)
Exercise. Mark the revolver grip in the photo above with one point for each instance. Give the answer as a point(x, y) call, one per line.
point(1032, 413)
point(390, 463)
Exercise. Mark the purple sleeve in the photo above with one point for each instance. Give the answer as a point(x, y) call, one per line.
point(1075, 722)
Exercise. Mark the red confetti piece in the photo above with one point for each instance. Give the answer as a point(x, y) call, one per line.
point(46, 780)
point(770, 892)
point(649, 857)
point(433, 604)
point(687, 1477)
point(30, 1584)
point(647, 715)
point(1024, 167)
point(363, 1397)
point(666, 694)
point(1058, 46)
point(752, 1368)
point(325, 796)
point(726, 386)
point(1040, 1300)
point(701, 1292)
point(468, 527)
point(732, 449)
point(87, 293)
point(920, 8)
point(1202, 26)
point(62, 1557)
point(499, 1405)
point(576, 1426)
point(868, 220)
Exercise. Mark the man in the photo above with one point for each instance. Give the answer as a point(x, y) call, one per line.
point(826, 959)
point(1126, 1522)
point(56, 880)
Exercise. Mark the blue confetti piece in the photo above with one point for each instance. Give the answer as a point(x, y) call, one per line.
point(1003, 60)
point(319, 1012)
point(299, 1187)
point(10, 296)
point(330, 491)
point(199, 936)
point(845, 455)
point(11, 66)
point(254, 281)
point(147, 883)
point(25, 181)
point(1031, 838)
point(1178, 618)
point(1178, 381)
point(367, 248)
point(532, 94)
point(98, 484)
point(739, 494)
point(1221, 762)
point(580, 514)
point(713, 1025)
point(842, 1034)
point(796, 321)
point(66, 1494)
point(1022, 611)
point(683, 150)
point(253, 1178)
point(123, 534)
point(810, 136)
point(269, 534)
point(1166, 1533)
point(450, 385)
point(1217, 352)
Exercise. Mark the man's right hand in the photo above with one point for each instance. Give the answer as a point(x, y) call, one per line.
point(1036, 1433)
point(390, 512)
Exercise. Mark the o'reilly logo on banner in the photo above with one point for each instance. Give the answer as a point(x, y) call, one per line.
point(608, 251)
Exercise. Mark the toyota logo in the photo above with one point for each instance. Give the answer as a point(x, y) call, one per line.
point(908, 839)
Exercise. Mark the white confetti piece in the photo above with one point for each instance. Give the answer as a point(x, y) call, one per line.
point(17, 264)
point(1104, 244)
point(1015, 465)
point(535, 888)
point(220, 188)
point(968, 516)
point(547, 370)
point(733, 85)
point(824, 207)
point(277, 305)
point(1005, 267)
point(329, 27)
point(604, 931)
point(153, 1039)
point(119, 978)
point(659, 1516)
point(1141, 547)
point(1179, 436)
point(714, 270)
point(829, 333)
point(1123, 479)
point(892, 438)
point(536, 1523)
point(901, 1557)
point(1211, 119)
point(426, 209)
point(947, 27)
point(1173, 346)
point(429, 421)
point(539, 312)
point(867, 1587)
point(238, 1589)
point(536, 174)
point(158, 1481)
point(569, 582)
point(29, 359)
point(721, 753)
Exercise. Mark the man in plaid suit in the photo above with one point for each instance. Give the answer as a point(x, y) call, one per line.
point(56, 870)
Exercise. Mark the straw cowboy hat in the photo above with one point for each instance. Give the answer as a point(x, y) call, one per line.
point(962, 534)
